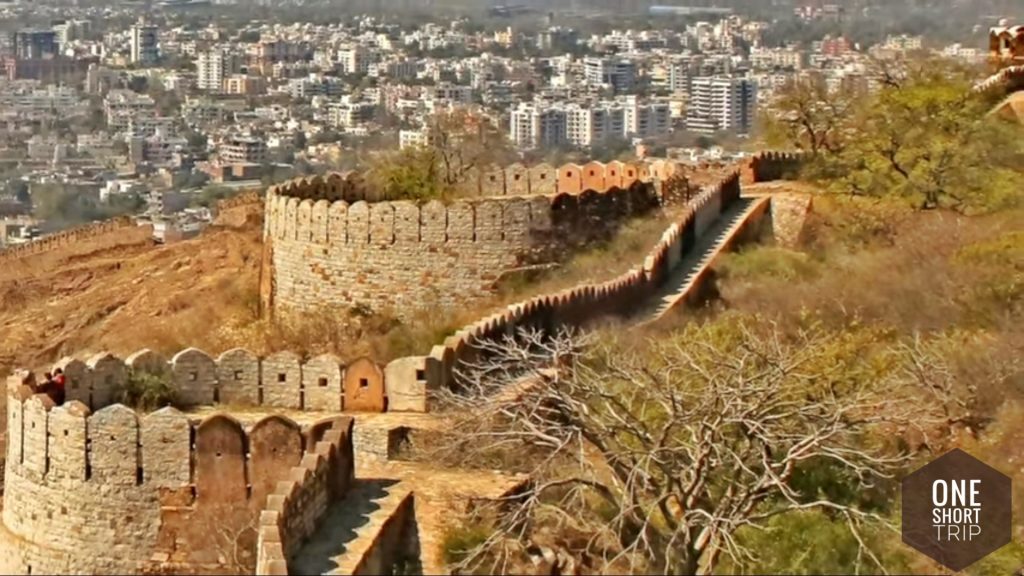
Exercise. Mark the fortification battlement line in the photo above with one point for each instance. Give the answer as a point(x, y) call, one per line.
point(241, 378)
point(92, 486)
point(114, 491)
point(332, 241)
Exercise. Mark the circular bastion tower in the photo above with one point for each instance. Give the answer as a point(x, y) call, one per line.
point(327, 242)
point(93, 487)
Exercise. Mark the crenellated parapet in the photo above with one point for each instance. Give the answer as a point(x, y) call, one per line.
point(112, 490)
point(296, 503)
point(587, 302)
point(238, 377)
point(772, 165)
point(118, 231)
point(1007, 80)
point(328, 241)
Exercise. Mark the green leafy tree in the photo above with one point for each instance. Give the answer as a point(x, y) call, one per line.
point(924, 136)
point(458, 144)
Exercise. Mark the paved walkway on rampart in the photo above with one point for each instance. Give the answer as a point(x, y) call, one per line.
point(682, 282)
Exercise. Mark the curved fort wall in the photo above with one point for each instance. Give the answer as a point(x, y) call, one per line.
point(239, 377)
point(619, 296)
point(328, 242)
point(112, 491)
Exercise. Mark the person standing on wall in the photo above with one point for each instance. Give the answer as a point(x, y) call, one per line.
point(59, 382)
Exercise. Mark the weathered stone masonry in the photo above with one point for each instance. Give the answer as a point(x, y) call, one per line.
point(328, 246)
point(115, 492)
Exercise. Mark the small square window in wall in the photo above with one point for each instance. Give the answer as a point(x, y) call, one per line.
point(282, 377)
point(364, 383)
point(238, 374)
point(322, 382)
point(193, 376)
point(421, 374)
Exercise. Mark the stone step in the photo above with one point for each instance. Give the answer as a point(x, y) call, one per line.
point(349, 530)
point(680, 282)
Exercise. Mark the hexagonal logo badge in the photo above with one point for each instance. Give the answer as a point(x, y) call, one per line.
point(956, 510)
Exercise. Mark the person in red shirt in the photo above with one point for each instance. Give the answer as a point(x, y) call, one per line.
point(59, 380)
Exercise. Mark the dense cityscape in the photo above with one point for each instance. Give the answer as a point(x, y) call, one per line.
point(164, 115)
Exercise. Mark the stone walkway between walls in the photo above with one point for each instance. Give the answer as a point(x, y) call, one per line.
point(345, 540)
point(679, 287)
point(351, 527)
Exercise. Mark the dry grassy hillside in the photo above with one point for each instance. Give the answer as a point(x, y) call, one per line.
point(122, 299)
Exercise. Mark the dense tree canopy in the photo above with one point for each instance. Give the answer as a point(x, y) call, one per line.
point(924, 136)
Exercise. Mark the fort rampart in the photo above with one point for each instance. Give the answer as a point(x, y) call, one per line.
point(120, 231)
point(296, 505)
point(240, 378)
point(769, 165)
point(113, 491)
point(582, 304)
point(329, 242)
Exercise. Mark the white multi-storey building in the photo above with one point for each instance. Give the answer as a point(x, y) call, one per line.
point(768, 58)
point(618, 73)
point(121, 106)
point(210, 71)
point(587, 125)
point(722, 104)
point(537, 126)
point(144, 44)
point(646, 119)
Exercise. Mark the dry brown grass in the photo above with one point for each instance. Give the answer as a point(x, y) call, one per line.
point(879, 264)
point(626, 249)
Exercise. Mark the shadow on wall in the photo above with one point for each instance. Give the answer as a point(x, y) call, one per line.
point(187, 494)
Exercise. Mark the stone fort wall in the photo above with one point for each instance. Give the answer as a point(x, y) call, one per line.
point(770, 165)
point(330, 242)
point(120, 231)
point(239, 377)
point(112, 491)
point(584, 303)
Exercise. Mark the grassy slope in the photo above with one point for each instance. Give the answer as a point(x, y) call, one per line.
point(877, 265)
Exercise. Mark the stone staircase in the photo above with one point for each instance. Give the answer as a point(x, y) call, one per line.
point(683, 281)
point(353, 531)
point(379, 522)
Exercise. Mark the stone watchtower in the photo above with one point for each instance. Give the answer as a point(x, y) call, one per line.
point(328, 243)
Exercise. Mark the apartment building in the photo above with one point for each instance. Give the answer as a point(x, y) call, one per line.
point(586, 125)
point(120, 106)
point(769, 58)
point(619, 73)
point(210, 71)
point(144, 44)
point(535, 126)
point(722, 104)
point(350, 114)
point(646, 119)
point(243, 150)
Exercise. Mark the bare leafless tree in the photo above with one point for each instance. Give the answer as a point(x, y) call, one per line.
point(654, 456)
